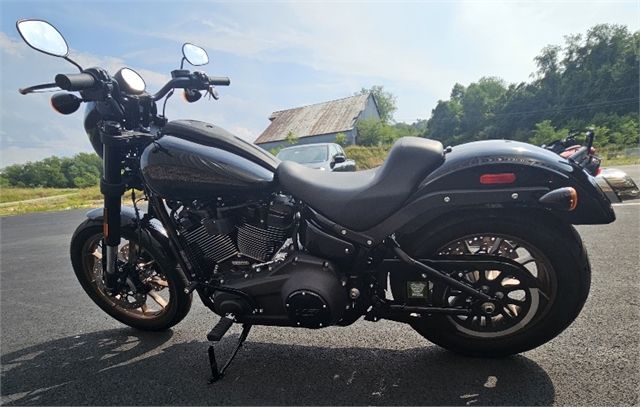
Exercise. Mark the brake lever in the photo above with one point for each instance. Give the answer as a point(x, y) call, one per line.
point(36, 88)
point(213, 93)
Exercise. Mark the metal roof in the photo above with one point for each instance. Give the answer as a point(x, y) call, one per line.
point(322, 118)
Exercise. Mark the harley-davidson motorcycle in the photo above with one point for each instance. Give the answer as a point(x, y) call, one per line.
point(472, 246)
point(585, 154)
point(615, 183)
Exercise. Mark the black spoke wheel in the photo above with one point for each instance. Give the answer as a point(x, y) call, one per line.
point(516, 302)
point(150, 295)
point(521, 315)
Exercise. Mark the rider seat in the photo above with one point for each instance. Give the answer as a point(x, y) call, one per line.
point(361, 200)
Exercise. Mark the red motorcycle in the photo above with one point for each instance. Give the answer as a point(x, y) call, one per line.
point(572, 150)
point(616, 184)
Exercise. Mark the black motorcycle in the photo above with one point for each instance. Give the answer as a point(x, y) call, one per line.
point(472, 246)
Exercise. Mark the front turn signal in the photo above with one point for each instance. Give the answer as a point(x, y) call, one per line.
point(65, 103)
point(563, 199)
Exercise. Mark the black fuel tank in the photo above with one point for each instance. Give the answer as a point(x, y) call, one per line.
point(176, 168)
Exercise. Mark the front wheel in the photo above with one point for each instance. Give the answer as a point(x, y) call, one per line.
point(151, 293)
point(523, 316)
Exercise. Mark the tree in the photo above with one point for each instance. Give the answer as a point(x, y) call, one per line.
point(374, 132)
point(82, 170)
point(592, 80)
point(341, 139)
point(545, 133)
point(385, 100)
point(291, 139)
point(444, 124)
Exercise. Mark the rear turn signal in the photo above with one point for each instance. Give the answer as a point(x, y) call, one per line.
point(563, 199)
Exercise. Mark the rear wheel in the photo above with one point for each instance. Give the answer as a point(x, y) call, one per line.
point(151, 294)
point(523, 315)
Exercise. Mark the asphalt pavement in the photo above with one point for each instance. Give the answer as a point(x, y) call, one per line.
point(58, 348)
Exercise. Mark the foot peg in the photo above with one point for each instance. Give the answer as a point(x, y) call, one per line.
point(215, 335)
point(220, 329)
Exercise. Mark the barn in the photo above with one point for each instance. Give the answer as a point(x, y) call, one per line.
point(319, 123)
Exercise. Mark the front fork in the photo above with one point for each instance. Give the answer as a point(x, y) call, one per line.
point(112, 188)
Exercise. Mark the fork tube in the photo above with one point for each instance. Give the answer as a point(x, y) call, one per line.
point(112, 188)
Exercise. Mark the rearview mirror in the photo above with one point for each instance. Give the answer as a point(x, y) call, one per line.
point(43, 37)
point(339, 158)
point(195, 55)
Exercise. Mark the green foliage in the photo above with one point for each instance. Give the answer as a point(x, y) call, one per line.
point(367, 157)
point(83, 170)
point(23, 194)
point(291, 139)
point(276, 150)
point(341, 139)
point(24, 200)
point(385, 100)
point(592, 80)
point(545, 133)
point(374, 132)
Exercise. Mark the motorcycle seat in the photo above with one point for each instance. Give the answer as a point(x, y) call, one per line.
point(361, 200)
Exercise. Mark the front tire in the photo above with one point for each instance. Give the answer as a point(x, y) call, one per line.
point(528, 317)
point(153, 298)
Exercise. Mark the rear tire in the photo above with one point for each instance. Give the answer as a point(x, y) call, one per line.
point(552, 252)
point(156, 300)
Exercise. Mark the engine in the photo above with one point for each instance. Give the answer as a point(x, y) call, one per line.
point(243, 246)
point(226, 240)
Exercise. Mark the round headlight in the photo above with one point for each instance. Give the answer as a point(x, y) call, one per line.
point(130, 81)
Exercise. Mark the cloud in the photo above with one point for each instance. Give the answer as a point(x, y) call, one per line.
point(10, 46)
point(281, 55)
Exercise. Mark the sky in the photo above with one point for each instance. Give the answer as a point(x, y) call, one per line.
point(280, 55)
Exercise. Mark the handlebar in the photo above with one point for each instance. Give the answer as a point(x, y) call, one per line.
point(219, 81)
point(75, 82)
point(191, 82)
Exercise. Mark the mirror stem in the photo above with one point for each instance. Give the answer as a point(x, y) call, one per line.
point(74, 63)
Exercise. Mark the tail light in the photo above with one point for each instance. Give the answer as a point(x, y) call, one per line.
point(505, 178)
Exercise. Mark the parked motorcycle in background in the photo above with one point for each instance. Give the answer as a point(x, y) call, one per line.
point(617, 185)
point(472, 246)
point(585, 154)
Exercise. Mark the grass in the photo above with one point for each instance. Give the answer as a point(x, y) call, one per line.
point(610, 162)
point(22, 194)
point(367, 157)
point(27, 200)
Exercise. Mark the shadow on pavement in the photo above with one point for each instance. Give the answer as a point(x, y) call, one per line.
point(127, 367)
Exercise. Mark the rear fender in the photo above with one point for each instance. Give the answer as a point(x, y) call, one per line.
point(458, 186)
point(461, 183)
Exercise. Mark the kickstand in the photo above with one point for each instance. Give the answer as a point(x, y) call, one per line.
point(219, 374)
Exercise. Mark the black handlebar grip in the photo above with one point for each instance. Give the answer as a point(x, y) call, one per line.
point(219, 81)
point(73, 82)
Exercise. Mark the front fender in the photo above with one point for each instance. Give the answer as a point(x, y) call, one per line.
point(128, 219)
